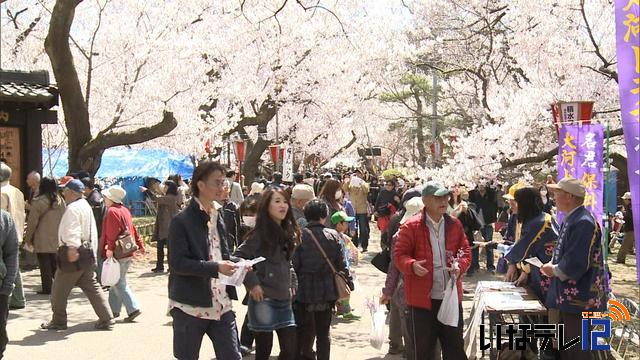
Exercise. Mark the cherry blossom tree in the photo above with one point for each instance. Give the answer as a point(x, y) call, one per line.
point(502, 64)
point(130, 72)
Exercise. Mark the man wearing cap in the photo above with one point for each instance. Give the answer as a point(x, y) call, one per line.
point(629, 240)
point(77, 227)
point(300, 196)
point(577, 266)
point(358, 194)
point(430, 249)
point(12, 200)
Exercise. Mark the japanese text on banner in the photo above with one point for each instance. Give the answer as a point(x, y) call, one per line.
point(580, 156)
point(628, 57)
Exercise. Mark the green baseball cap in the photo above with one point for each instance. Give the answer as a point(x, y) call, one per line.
point(341, 216)
point(434, 188)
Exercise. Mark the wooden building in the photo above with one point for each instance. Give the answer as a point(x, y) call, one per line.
point(26, 102)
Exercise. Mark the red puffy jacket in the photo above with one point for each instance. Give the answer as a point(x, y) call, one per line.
point(414, 244)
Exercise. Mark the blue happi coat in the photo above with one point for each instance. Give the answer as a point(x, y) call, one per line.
point(537, 239)
point(578, 255)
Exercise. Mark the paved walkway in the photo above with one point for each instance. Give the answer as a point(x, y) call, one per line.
point(150, 337)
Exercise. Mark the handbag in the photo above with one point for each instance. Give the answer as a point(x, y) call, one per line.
point(342, 285)
point(125, 243)
point(86, 257)
point(382, 260)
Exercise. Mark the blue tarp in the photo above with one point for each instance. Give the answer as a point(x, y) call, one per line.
point(122, 162)
point(128, 168)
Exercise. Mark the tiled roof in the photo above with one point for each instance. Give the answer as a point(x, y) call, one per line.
point(35, 94)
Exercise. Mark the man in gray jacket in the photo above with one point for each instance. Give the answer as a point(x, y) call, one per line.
point(8, 271)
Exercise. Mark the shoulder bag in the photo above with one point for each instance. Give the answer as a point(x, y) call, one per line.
point(125, 243)
point(342, 285)
point(86, 257)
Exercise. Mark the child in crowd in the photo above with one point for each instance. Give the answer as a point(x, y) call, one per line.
point(340, 220)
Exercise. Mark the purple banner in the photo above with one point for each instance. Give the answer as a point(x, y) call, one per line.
point(628, 53)
point(580, 157)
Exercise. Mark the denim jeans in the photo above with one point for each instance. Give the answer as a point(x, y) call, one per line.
point(188, 332)
point(363, 230)
point(120, 293)
point(475, 259)
point(487, 234)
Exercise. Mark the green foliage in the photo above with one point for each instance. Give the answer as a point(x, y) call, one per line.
point(412, 84)
point(391, 173)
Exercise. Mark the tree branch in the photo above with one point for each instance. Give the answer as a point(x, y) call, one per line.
point(23, 36)
point(605, 68)
point(91, 54)
point(136, 136)
point(339, 151)
point(548, 155)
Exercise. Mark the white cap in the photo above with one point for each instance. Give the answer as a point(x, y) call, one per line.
point(572, 186)
point(115, 193)
point(256, 188)
point(412, 207)
point(302, 192)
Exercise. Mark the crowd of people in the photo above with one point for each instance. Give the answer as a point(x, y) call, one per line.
point(303, 236)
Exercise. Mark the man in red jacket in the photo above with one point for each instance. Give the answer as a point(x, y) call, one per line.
point(430, 249)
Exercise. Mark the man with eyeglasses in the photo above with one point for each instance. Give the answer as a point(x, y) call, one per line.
point(431, 248)
point(198, 302)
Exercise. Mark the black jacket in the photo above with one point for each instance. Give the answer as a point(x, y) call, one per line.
point(628, 220)
point(190, 270)
point(98, 207)
point(232, 224)
point(470, 221)
point(275, 275)
point(488, 204)
point(316, 284)
point(392, 228)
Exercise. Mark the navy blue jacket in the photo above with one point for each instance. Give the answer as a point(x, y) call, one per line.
point(578, 255)
point(190, 270)
point(316, 284)
point(537, 239)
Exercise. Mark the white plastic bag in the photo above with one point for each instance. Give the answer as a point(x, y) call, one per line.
point(449, 310)
point(110, 272)
point(378, 327)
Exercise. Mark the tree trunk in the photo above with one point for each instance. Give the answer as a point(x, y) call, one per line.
point(620, 163)
point(252, 160)
point(75, 109)
point(422, 152)
point(85, 152)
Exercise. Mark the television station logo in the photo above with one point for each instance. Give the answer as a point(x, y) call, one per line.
point(595, 325)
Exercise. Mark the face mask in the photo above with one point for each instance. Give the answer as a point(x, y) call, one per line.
point(250, 221)
point(338, 194)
